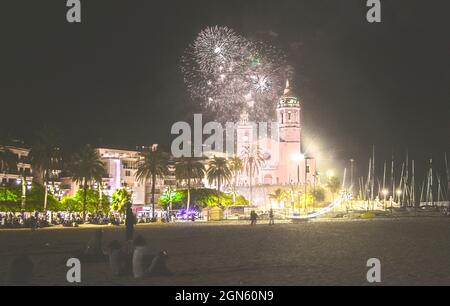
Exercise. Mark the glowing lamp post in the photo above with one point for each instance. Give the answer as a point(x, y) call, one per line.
point(399, 193)
point(385, 193)
point(298, 157)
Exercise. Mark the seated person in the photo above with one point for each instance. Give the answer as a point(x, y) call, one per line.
point(119, 261)
point(93, 251)
point(146, 263)
point(159, 265)
point(141, 257)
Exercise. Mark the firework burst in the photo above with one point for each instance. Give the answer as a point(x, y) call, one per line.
point(228, 73)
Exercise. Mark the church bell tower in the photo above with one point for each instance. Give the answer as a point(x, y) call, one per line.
point(288, 116)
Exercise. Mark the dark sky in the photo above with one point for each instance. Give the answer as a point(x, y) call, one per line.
point(115, 80)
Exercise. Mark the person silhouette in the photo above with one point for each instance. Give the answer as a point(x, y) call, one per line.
point(253, 217)
point(271, 217)
point(129, 223)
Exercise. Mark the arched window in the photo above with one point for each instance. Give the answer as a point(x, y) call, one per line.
point(268, 179)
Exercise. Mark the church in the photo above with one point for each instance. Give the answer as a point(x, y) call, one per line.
point(283, 162)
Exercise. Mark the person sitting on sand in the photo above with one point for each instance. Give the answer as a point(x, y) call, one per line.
point(140, 257)
point(118, 259)
point(159, 265)
point(94, 246)
point(147, 264)
point(93, 251)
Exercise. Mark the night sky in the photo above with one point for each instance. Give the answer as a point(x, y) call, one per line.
point(115, 78)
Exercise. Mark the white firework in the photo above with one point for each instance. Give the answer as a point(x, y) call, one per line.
point(227, 73)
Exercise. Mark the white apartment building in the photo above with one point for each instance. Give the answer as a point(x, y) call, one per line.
point(121, 167)
point(14, 176)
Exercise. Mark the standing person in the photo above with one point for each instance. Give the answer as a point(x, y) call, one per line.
point(129, 222)
point(271, 220)
point(253, 217)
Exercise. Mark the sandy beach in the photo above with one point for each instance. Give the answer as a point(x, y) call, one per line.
point(412, 251)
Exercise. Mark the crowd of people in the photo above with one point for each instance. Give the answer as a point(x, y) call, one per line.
point(35, 220)
point(132, 258)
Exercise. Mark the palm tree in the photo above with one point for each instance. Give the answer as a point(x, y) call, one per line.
point(45, 158)
point(119, 199)
point(189, 169)
point(152, 165)
point(333, 185)
point(252, 159)
point(278, 195)
point(219, 171)
point(85, 169)
point(236, 167)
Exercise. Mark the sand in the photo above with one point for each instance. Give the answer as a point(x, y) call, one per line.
point(413, 251)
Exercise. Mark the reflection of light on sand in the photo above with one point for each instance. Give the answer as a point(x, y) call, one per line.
point(323, 210)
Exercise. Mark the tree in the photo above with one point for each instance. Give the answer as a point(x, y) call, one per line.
point(218, 171)
point(203, 197)
point(94, 202)
point(35, 200)
point(278, 195)
point(72, 204)
point(188, 169)
point(119, 199)
point(152, 165)
point(10, 199)
point(171, 196)
point(86, 168)
point(45, 158)
point(333, 185)
point(252, 159)
point(236, 167)
point(318, 194)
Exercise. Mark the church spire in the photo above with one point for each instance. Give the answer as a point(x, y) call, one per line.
point(288, 88)
point(288, 99)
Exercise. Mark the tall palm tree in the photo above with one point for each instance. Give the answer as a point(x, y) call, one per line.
point(188, 169)
point(253, 160)
point(86, 168)
point(236, 167)
point(152, 165)
point(218, 171)
point(277, 195)
point(45, 158)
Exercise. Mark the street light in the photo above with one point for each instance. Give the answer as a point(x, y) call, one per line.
point(399, 193)
point(330, 173)
point(298, 157)
point(385, 193)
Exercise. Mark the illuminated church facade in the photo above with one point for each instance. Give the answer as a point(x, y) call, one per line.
point(283, 161)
